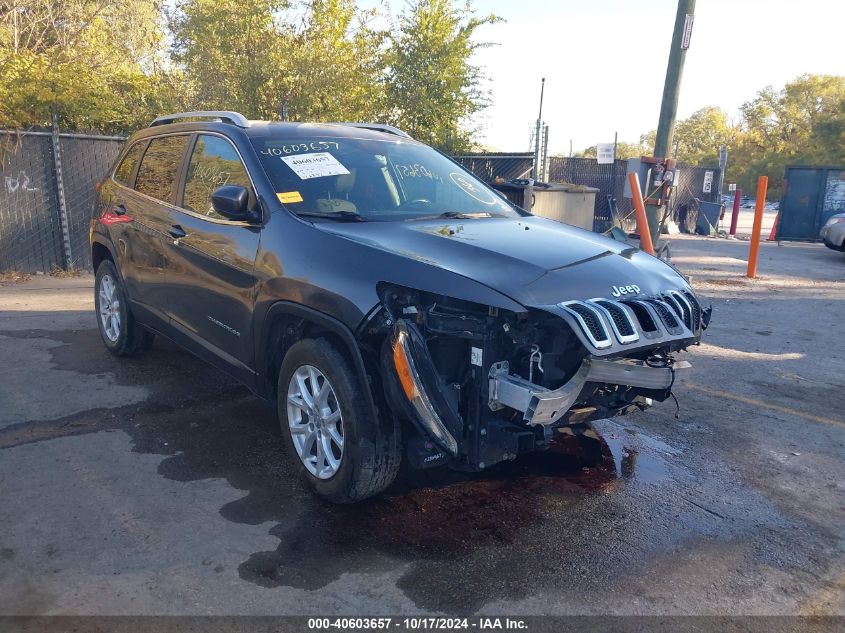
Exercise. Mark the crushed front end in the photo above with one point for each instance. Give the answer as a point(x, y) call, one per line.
point(480, 385)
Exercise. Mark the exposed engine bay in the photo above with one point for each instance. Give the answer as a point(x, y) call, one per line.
point(481, 385)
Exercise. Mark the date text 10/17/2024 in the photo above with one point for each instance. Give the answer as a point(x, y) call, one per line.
point(417, 624)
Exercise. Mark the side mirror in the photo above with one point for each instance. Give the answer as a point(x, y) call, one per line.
point(232, 202)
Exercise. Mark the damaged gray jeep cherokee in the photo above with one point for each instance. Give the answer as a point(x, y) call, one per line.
point(390, 303)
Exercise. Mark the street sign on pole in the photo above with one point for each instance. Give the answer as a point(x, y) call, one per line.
point(708, 181)
point(732, 186)
point(687, 31)
point(604, 153)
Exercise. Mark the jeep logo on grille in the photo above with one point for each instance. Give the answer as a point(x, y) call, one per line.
point(618, 291)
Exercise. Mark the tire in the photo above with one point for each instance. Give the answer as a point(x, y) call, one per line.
point(368, 459)
point(121, 334)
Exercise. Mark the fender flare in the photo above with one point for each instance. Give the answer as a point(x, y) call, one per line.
point(100, 240)
point(325, 321)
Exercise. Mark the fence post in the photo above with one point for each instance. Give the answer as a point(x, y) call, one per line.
point(60, 191)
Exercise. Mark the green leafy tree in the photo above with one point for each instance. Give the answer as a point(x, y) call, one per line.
point(231, 51)
point(800, 124)
point(699, 136)
point(647, 142)
point(334, 64)
point(827, 141)
point(96, 64)
point(433, 87)
point(260, 58)
point(804, 123)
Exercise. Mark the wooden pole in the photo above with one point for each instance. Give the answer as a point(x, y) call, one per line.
point(672, 85)
point(762, 187)
point(642, 220)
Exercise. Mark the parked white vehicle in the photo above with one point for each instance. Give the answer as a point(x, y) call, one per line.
point(833, 232)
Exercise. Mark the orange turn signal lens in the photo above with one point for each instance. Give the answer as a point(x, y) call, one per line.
point(403, 370)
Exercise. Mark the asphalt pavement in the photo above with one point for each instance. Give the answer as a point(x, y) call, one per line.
point(156, 485)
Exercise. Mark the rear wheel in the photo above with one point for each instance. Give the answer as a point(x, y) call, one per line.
point(343, 453)
point(121, 335)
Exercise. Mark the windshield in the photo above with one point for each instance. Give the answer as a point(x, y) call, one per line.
point(358, 179)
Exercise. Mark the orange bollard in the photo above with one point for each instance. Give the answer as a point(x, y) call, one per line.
point(642, 220)
point(762, 187)
point(774, 230)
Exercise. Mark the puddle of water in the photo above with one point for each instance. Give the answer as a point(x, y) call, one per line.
point(636, 455)
point(632, 463)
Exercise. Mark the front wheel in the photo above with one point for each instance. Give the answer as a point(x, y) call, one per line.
point(120, 334)
point(344, 454)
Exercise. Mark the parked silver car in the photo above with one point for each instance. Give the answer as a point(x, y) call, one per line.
point(833, 232)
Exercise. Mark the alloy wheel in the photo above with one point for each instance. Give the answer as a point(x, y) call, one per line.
point(315, 421)
point(109, 308)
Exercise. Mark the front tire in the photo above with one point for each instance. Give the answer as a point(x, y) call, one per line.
point(121, 335)
point(343, 453)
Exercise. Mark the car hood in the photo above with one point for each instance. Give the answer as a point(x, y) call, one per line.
point(532, 260)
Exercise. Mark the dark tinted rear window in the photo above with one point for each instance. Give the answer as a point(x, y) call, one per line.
point(123, 173)
point(157, 173)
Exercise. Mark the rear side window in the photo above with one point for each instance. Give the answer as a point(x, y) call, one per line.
point(157, 173)
point(214, 163)
point(123, 173)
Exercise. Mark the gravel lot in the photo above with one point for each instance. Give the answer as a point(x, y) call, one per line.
point(158, 486)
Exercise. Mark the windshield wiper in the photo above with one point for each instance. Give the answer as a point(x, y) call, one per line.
point(337, 215)
point(456, 215)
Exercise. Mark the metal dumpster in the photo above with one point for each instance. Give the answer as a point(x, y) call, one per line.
point(563, 202)
point(812, 194)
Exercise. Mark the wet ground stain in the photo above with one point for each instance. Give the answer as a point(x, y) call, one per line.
point(451, 529)
point(434, 520)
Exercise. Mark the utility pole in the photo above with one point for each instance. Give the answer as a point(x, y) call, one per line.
point(723, 163)
point(535, 172)
point(674, 70)
point(669, 110)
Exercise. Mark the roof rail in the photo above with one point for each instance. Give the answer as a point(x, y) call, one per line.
point(378, 127)
point(226, 116)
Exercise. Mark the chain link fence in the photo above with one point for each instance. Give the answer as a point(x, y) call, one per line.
point(30, 233)
point(85, 162)
point(34, 233)
point(491, 166)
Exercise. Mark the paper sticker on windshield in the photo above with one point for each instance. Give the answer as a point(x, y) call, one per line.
point(315, 165)
point(482, 195)
point(289, 197)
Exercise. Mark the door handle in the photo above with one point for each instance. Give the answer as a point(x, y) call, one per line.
point(177, 231)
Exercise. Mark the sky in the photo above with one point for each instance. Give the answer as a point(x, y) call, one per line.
point(605, 62)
